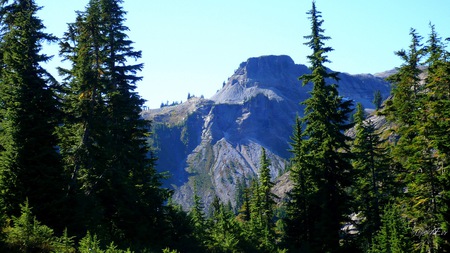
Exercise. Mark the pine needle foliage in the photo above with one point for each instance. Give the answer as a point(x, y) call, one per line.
point(30, 165)
point(104, 138)
point(323, 160)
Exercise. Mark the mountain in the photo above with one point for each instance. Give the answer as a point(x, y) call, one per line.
point(213, 146)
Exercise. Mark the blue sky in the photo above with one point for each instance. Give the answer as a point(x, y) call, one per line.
point(194, 46)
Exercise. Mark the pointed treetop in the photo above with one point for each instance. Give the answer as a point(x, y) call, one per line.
point(316, 42)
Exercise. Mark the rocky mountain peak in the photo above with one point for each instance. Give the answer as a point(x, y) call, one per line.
point(273, 76)
point(266, 69)
point(215, 143)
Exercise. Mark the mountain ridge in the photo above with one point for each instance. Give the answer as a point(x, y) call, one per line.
point(212, 145)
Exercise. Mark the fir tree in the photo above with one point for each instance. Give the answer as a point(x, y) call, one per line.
point(406, 84)
point(374, 180)
point(267, 198)
point(299, 213)
point(437, 126)
point(414, 150)
point(30, 166)
point(394, 235)
point(199, 222)
point(104, 137)
point(83, 134)
point(324, 151)
point(377, 99)
point(225, 230)
point(262, 208)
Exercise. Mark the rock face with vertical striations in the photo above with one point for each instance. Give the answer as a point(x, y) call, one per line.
point(212, 145)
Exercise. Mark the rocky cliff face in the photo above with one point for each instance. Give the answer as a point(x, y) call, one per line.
point(212, 145)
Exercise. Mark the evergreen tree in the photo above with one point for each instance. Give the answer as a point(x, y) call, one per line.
point(117, 188)
point(374, 180)
point(267, 198)
point(83, 134)
point(198, 219)
point(299, 213)
point(262, 208)
point(225, 230)
point(30, 166)
point(394, 235)
point(437, 127)
point(323, 150)
point(241, 194)
point(377, 99)
point(244, 211)
point(414, 150)
point(28, 235)
point(406, 84)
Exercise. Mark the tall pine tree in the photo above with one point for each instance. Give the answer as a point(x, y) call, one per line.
point(262, 208)
point(374, 181)
point(299, 209)
point(30, 166)
point(414, 150)
point(324, 152)
point(104, 137)
point(437, 127)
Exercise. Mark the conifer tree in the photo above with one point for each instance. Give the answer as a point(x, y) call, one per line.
point(225, 230)
point(324, 151)
point(414, 149)
point(244, 211)
point(30, 166)
point(27, 234)
point(406, 84)
point(104, 137)
point(198, 219)
point(299, 213)
point(437, 127)
point(83, 133)
point(377, 99)
point(241, 197)
point(374, 180)
point(267, 198)
point(262, 208)
point(394, 235)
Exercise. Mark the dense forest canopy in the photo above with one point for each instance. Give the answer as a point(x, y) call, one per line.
point(77, 173)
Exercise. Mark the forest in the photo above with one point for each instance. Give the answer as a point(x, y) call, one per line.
point(77, 173)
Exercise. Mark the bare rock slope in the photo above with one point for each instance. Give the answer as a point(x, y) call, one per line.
point(212, 145)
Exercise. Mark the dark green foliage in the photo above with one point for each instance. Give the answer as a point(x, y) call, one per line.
point(406, 84)
point(415, 151)
point(104, 138)
point(225, 230)
point(436, 129)
point(266, 196)
point(27, 234)
point(394, 235)
point(30, 166)
point(377, 99)
point(321, 162)
point(90, 243)
point(374, 180)
point(79, 154)
point(253, 230)
point(199, 222)
point(242, 196)
point(299, 211)
point(261, 223)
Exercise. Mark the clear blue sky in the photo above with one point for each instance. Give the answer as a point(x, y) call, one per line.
point(193, 46)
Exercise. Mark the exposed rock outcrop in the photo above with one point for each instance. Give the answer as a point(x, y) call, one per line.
point(211, 144)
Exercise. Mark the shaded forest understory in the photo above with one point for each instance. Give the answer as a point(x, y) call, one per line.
point(77, 173)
